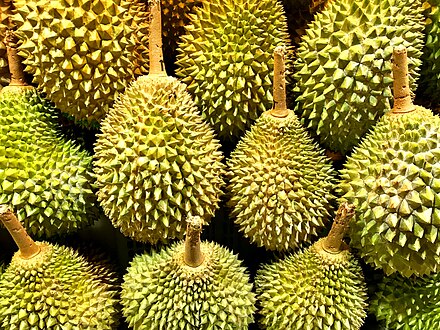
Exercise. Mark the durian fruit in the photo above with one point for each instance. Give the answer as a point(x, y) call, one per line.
point(140, 18)
point(280, 182)
point(408, 303)
point(392, 178)
point(156, 160)
point(188, 286)
point(225, 58)
point(343, 69)
point(81, 53)
point(318, 288)
point(49, 286)
point(45, 176)
point(5, 24)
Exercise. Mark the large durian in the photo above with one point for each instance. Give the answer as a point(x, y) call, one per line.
point(280, 181)
point(49, 286)
point(81, 53)
point(5, 24)
point(320, 287)
point(45, 176)
point(225, 58)
point(343, 69)
point(188, 286)
point(408, 303)
point(156, 160)
point(393, 179)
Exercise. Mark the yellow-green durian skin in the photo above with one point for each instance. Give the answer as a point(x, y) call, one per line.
point(343, 68)
point(160, 291)
point(280, 183)
point(80, 52)
point(157, 161)
point(312, 290)
point(55, 290)
point(393, 179)
point(407, 303)
point(47, 178)
point(226, 59)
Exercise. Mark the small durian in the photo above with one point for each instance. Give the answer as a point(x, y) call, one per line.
point(408, 303)
point(156, 160)
point(81, 53)
point(343, 70)
point(318, 288)
point(225, 58)
point(46, 177)
point(392, 178)
point(5, 24)
point(188, 286)
point(280, 182)
point(48, 286)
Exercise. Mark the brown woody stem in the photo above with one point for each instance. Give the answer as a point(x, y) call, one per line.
point(27, 246)
point(279, 84)
point(402, 94)
point(157, 66)
point(332, 243)
point(15, 66)
point(193, 255)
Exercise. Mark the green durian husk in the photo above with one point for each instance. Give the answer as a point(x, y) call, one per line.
point(392, 178)
point(160, 291)
point(43, 175)
point(343, 67)
point(312, 289)
point(55, 289)
point(157, 162)
point(280, 184)
point(226, 59)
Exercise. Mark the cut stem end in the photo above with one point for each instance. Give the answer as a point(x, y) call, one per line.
point(334, 240)
point(279, 83)
point(157, 65)
point(14, 61)
point(402, 94)
point(193, 256)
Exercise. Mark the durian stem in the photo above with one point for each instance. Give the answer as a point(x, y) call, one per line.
point(193, 254)
point(402, 95)
point(279, 84)
point(332, 243)
point(15, 66)
point(27, 246)
point(157, 66)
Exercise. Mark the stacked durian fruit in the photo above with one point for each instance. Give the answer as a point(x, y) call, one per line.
point(217, 147)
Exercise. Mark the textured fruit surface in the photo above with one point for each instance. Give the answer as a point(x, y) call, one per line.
point(312, 289)
point(43, 175)
point(343, 69)
point(393, 180)
point(5, 23)
point(157, 162)
point(140, 24)
point(160, 291)
point(80, 52)
point(55, 290)
point(280, 183)
point(226, 59)
point(408, 303)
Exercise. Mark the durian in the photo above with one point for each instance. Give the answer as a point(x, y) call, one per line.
point(188, 286)
point(225, 58)
point(320, 287)
point(49, 286)
point(408, 303)
point(45, 176)
point(343, 66)
point(81, 53)
point(140, 15)
point(392, 178)
point(5, 24)
point(280, 182)
point(156, 160)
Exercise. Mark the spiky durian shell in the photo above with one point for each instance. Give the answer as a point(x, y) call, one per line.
point(343, 69)
point(408, 303)
point(392, 178)
point(140, 14)
point(226, 59)
point(81, 53)
point(160, 291)
point(44, 176)
point(5, 23)
point(55, 290)
point(280, 183)
point(157, 161)
point(312, 290)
